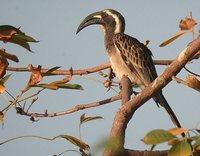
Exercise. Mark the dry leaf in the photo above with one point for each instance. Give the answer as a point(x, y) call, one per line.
point(187, 24)
point(35, 77)
point(3, 65)
point(84, 119)
point(197, 148)
point(173, 141)
point(7, 32)
point(2, 87)
point(2, 82)
point(193, 82)
point(79, 143)
point(63, 81)
point(12, 57)
point(173, 38)
point(176, 131)
point(1, 117)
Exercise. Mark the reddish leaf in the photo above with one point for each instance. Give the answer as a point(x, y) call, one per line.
point(7, 32)
point(3, 65)
point(35, 77)
point(177, 131)
point(2, 81)
point(187, 24)
point(1, 117)
point(6, 55)
point(2, 88)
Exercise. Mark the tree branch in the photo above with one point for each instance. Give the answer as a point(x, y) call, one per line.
point(129, 152)
point(126, 89)
point(69, 111)
point(127, 110)
point(81, 71)
point(64, 72)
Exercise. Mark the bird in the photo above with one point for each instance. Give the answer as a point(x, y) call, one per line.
point(127, 55)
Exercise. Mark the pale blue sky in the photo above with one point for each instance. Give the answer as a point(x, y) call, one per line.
point(54, 24)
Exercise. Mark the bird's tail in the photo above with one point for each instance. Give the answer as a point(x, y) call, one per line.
point(160, 99)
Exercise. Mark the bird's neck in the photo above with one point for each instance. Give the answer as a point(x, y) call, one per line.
point(108, 40)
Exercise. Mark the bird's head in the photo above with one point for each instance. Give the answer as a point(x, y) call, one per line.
point(109, 19)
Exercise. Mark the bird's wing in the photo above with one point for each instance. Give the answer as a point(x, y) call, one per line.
point(139, 59)
point(137, 56)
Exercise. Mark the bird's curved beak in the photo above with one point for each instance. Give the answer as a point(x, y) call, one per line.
point(94, 18)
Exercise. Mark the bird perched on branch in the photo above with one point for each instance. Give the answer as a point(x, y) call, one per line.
point(127, 55)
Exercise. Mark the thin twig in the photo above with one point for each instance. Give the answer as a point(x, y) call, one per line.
point(33, 95)
point(178, 80)
point(191, 72)
point(74, 109)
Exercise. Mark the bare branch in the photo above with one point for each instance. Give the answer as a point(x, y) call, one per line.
point(162, 62)
point(129, 152)
point(72, 110)
point(81, 71)
point(179, 80)
point(64, 72)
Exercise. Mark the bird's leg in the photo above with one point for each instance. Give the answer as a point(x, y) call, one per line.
point(109, 82)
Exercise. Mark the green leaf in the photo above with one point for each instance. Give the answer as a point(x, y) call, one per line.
point(5, 30)
point(158, 136)
point(14, 35)
point(197, 142)
point(19, 41)
point(84, 119)
point(59, 85)
point(198, 130)
point(5, 78)
point(195, 138)
point(181, 148)
point(69, 86)
point(26, 37)
point(75, 141)
point(50, 71)
point(47, 86)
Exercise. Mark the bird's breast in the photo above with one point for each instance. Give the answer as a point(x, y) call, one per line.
point(120, 68)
